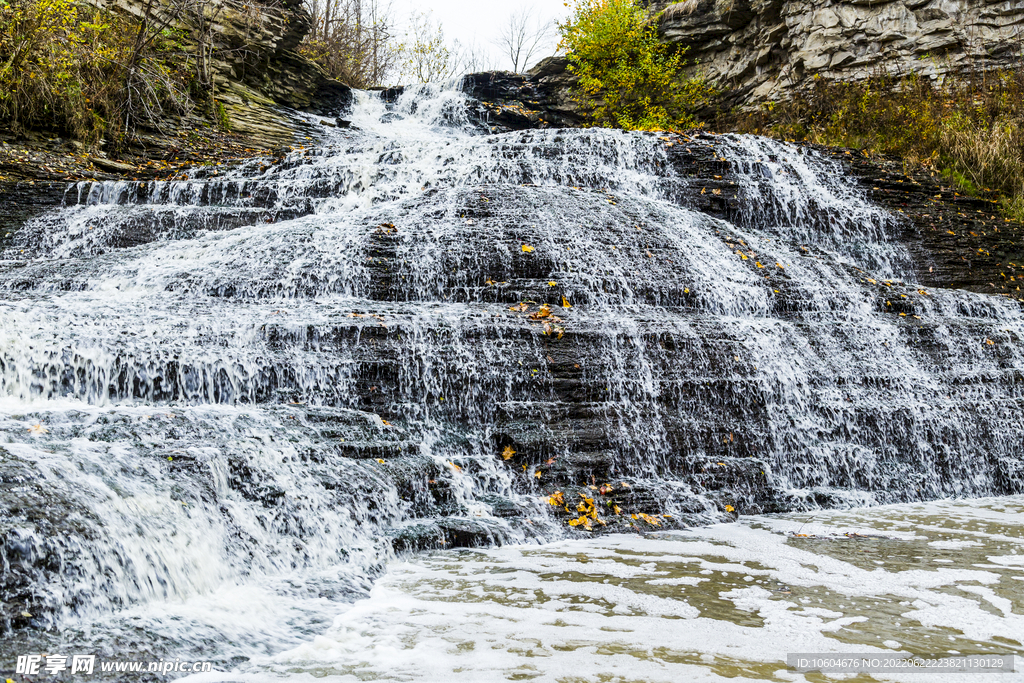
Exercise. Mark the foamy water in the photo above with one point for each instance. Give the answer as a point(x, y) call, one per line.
point(726, 602)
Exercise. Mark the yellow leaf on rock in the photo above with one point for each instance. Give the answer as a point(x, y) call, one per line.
point(507, 453)
point(527, 248)
point(537, 474)
point(38, 429)
point(544, 312)
point(380, 460)
point(729, 508)
point(556, 498)
point(650, 520)
point(552, 283)
point(565, 303)
point(617, 509)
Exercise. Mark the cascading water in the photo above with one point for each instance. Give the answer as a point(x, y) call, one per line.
point(259, 381)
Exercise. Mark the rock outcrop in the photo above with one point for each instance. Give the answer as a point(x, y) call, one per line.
point(538, 99)
point(255, 64)
point(761, 50)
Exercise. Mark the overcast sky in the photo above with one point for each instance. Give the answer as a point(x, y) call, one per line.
point(473, 21)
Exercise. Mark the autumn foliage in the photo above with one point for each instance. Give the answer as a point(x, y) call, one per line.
point(627, 77)
point(82, 71)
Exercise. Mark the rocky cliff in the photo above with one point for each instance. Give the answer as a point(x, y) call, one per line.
point(760, 50)
point(256, 67)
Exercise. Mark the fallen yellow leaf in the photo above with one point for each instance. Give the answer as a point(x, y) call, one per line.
point(507, 453)
point(544, 312)
point(650, 520)
point(527, 248)
point(730, 508)
point(565, 303)
point(38, 429)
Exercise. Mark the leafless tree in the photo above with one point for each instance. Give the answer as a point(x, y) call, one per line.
point(523, 36)
point(352, 40)
point(473, 58)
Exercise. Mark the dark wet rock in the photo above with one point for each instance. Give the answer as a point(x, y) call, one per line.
point(508, 101)
point(441, 534)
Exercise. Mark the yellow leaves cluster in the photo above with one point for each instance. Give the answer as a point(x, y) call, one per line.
point(556, 498)
point(647, 518)
point(543, 312)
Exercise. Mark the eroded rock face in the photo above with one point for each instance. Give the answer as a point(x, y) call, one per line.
point(765, 49)
point(256, 65)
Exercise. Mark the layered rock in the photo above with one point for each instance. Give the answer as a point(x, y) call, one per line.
point(538, 99)
point(255, 65)
point(760, 50)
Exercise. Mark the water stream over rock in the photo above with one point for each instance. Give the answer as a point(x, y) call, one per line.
point(226, 401)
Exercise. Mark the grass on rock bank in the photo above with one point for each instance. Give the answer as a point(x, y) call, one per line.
point(969, 127)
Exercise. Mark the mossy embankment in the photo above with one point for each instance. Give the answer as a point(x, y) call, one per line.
point(967, 128)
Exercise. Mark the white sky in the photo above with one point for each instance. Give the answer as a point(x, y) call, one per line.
point(472, 21)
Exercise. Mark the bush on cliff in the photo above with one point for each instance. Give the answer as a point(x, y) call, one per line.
point(627, 77)
point(87, 73)
point(968, 127)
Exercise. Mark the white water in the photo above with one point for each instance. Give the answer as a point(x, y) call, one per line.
point(211, 362)
point(726, 602)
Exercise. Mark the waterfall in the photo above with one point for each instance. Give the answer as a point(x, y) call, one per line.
point(275, 375)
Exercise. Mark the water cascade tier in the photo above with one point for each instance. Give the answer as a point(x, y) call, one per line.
point(418, 334)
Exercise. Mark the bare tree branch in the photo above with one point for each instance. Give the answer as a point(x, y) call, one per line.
point(523, 36)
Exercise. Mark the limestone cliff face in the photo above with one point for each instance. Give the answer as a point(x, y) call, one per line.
point(255, 64)
point(765, 49)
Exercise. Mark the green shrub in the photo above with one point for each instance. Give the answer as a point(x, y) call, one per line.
point(90, 76)
point(627, 77)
